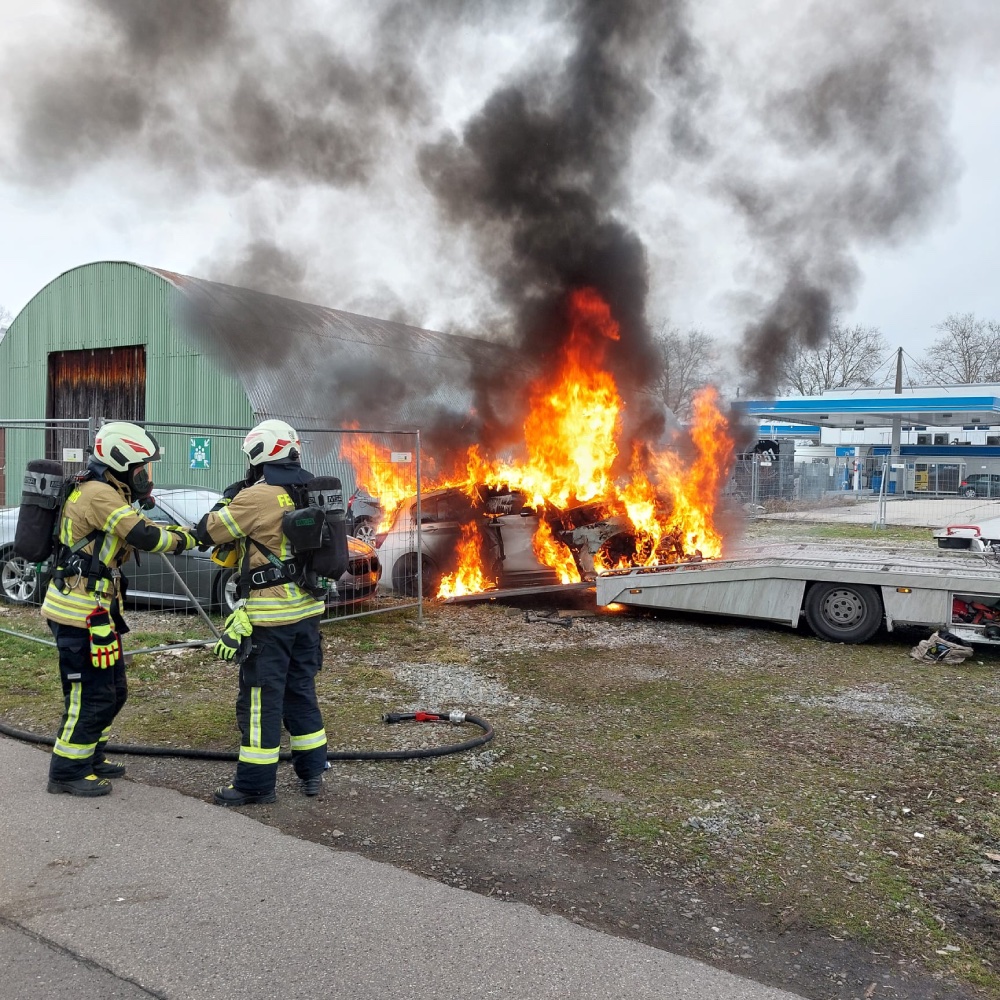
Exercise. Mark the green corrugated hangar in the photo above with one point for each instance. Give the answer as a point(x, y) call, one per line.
point(117, 340)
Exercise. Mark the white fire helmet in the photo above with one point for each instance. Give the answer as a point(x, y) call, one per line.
point(120, 445)
point(272, 441)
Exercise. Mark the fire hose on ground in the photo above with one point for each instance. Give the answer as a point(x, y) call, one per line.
point(453, 718)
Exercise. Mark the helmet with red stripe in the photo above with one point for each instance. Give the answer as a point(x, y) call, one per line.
point(120, 445)
point(272, 441)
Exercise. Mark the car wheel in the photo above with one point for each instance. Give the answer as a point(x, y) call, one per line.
point(224, 597)
point(969, 492)
point(841, 612)
point(364, 530)
point(20, 582)
point(404, 576)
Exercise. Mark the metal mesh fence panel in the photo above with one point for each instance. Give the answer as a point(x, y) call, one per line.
point(378, 472)
point(761, 481)
point(920, 491)
point(21, 441)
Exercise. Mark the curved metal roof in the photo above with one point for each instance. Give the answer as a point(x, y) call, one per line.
point(324, 368)
point(327, 366)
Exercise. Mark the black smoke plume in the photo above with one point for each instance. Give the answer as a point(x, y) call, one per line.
point(539, 174)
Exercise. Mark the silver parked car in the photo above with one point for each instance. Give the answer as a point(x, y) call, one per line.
point(364, 513)
point(150, 582)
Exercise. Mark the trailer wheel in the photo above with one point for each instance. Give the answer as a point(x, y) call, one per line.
point(843, 612)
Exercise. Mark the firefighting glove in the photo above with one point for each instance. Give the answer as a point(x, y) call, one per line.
point(237, 631)
point(105, 648)
point(185, 540)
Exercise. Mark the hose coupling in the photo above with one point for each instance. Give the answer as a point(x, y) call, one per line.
point(456, 718)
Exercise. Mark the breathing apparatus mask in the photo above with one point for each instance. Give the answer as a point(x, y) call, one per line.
point(140, 484)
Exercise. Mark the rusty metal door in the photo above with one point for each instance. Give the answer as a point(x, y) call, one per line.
point(105, 382)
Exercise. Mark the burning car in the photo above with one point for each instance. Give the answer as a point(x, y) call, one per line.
point(503, 536)
point(576, 484)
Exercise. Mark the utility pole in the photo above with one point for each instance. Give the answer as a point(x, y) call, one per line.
point(897, 427)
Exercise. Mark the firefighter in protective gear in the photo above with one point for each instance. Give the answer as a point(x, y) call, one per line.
point(99, 529)
point(283, 649)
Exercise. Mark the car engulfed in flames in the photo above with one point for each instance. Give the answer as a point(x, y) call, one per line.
point(565, 504)
point(492, 540)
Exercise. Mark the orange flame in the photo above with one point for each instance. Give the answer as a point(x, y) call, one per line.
point(469, 578)
point(695, 490)
point(574, 417)
point(549, 551)
point(391, 482)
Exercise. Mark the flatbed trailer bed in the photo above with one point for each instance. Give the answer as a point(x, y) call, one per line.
point(845, 595)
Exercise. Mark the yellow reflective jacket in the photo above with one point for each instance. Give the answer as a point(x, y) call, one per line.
point(100, 505)
point(255, 513)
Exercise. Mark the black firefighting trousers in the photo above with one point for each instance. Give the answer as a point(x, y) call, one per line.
point(92, 697)
point(277, 684)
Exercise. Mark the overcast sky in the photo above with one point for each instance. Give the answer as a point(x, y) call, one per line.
point(131, 141)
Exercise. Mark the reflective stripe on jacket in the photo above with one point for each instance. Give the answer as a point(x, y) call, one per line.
point(256, 513)
point(96, 505)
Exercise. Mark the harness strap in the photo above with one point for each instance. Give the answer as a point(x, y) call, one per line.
point(69, 558)
point(277, 572)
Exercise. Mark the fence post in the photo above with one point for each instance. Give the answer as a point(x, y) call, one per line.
point(420, 539)
point(880, 517)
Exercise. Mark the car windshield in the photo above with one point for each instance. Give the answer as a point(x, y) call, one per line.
point(182, 506)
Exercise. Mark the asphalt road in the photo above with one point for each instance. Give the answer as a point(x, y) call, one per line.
point(148, 893)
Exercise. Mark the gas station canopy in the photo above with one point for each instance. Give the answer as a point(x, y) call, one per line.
point(940, 406)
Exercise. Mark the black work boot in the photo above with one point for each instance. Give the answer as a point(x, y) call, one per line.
point(90, 787)
point(227, 795)
point(311, 786)
point(108, 769)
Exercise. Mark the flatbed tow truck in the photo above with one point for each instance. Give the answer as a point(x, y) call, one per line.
point(845, 595)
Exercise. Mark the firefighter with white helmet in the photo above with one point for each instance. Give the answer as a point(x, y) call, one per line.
point(274, 633)
point(99, 528)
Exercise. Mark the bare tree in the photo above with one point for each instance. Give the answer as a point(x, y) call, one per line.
point(849, 359)
point(5, 318)
point(689, 362)
point(967, 351)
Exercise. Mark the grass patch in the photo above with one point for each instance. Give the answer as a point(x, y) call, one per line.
point(864, 532)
